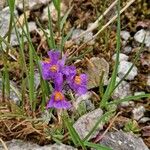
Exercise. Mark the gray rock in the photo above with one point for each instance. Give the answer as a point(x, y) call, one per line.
point(122, 90)
point(139, 37)
point(84, 38)
point(22, 145)
point(31, 4)
point(44, 16)
point(81, 98)
point(75, 34)
point(148, 80)
point(86, 122)
point(4, 24)
point(120, 140)
point(94, 71)
point(127, 49)
point(4, 20)
point(85, 100)
point(15, 94)
point(144, 120)
point(121, 57)
point(36, 79)
point(125, 35)
point(139, 93)
point(123, 68)
point(138, 112)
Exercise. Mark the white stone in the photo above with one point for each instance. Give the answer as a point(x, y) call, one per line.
point(81, 98)
point(125, 35)
point(119, 140)
point(121, 57)
point(76, 34)
point(86, 122)
point(88, 38)
point(122, 90)
point(148, 80)
point(139, 93)
point(139, 37)
point(123, 68)
point(53, 11)
point(127, 49)
point(31, 4)
point(138, 113)
point(22, 145)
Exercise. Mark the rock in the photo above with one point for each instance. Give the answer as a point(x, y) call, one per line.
point(4, 20)
point(53, 12)
point(2, 4)
point(31, 4)
point(85, 98)
point(144, 120)
point(75, 34)
point(85, 38)
point(127, 49)
point(139, 93)
point(123, 68)
point(122, 90)
point(120, 140)
point(139, 37)
point(86, 122)
point(15, 95)
point(125, 35)
point(4, 24)
point(94, 71)
point(22, 145)
point(37, 79)
point(121, 57)
point(138, 113)
point(148, 80)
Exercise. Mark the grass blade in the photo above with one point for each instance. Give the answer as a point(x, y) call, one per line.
point(74, 135)
point(96, 146)
point(111, 85)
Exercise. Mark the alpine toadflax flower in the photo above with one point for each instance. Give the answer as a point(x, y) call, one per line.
point(54, 69)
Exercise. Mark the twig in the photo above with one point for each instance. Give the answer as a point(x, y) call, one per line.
point(105, 26)
point(3, 143)
point(112, 121)
point(95, 24)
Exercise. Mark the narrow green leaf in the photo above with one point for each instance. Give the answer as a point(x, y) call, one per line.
point(74, 135)
point(96, 146)
point(111, 85)
point(129, 98)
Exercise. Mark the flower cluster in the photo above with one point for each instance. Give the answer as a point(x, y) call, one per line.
point(54, 68)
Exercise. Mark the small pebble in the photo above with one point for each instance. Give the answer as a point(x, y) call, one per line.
point(139, 37)
point(127, 49)
point(125, 35)
point(121, 57)
point(123, 68)
point(138, 112)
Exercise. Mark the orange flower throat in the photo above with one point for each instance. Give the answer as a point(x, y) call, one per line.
point(77, 79)
point(54, 68)
point(58, 96)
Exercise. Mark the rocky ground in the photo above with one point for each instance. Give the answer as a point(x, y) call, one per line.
point(131, 128)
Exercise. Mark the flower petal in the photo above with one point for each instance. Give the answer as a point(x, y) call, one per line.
point(50, 103)
point(58, 81)
point(62, 104)
point(54, 55)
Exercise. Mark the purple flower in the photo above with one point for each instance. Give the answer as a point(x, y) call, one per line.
point(69, 71)
point(58, 99)
point(52, 66)
point(78, 83)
